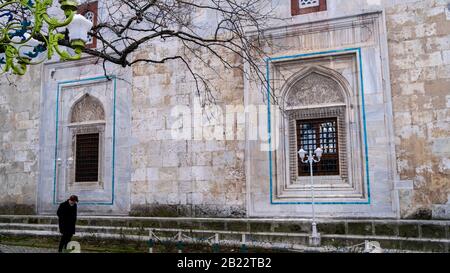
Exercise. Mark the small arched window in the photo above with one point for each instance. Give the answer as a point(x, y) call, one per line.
point(87, 122)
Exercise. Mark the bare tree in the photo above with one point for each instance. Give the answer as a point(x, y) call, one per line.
point(213, 28)
point(201, 30)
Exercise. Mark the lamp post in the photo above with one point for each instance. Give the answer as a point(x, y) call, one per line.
point(314, 239)
point(29, 35)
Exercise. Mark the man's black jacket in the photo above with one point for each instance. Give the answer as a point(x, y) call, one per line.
point(67, 217)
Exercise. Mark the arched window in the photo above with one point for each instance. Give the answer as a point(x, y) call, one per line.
point(87, 123)
point(320, 102)
point(316, 107)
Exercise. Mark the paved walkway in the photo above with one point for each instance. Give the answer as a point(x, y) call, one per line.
point(25, 249)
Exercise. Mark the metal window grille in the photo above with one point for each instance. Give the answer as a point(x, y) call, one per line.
point(321, 133)
point(309, 3)
point(299, 7)
point(87, 157)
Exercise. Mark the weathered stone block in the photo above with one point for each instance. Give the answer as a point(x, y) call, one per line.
point(186, 224)
point(32, 220)
point(168, 223)
point(260, 227)
point(412, 245)
point(154, 210)
point(150, 223)
point(18, 209)
point(433, 231)
point(293, 228)
point(425, 30)
point(436, 247)
point(139, 175)
point(331, 228)
point(99, 222)
point(408, 230)
point(386, 229)
point(390, 244)
point(82, 222)
point(212, 225)
point(359, 228)
point(5, 220)
point(334, 242)
point(238, 226)
point(230, 237)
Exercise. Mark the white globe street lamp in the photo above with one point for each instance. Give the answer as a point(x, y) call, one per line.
point(30, 35)
point(78, 30)
point(314, 239)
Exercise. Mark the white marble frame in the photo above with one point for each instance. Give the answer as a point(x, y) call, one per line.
point(53, 74)
point(367, 30)
point(102, 190)
point(330, 188)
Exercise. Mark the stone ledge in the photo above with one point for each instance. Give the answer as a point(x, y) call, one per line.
point(258, 220)
point(401, 228)
point(258, 239)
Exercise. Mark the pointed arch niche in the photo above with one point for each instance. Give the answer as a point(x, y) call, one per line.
point(87, 137)
point(320, 109)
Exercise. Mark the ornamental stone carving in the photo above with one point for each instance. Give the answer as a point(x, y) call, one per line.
point(315, 89)
point(87, 109)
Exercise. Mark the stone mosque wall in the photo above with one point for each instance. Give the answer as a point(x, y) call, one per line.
point(391, 59)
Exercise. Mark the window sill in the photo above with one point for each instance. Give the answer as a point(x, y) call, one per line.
point(79, 186)
point(94, 122)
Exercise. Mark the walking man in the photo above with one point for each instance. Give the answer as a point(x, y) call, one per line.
point(67, 217)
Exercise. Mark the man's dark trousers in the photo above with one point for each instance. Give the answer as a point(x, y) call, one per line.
point(65, 238)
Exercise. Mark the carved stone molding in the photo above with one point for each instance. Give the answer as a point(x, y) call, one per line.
point(314, 89)
point(87, 109)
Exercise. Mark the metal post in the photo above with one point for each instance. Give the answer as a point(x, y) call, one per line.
point(243, 245)
point(215, 247)
point(180, 243)
point(314, 240)
point(311, 160)
point(150, 242)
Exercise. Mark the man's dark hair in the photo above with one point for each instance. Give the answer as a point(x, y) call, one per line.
point(73, 198)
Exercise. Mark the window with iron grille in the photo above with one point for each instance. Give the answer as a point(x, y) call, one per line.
point(307, 6)
point(309, 3)
point(322, 133)
point(87, 157)
point(90, 11)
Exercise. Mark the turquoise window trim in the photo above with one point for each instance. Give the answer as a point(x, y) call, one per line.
point(357, 51)
point(58, 90)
